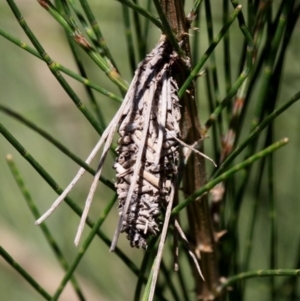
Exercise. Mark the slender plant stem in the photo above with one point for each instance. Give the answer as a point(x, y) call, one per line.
point(146, 260)
point(23, 273)
point(59, 190)
point(81, 68)
point(194, 73)
point(244, 74)
point(147, 24)
point(253, 217)
point(72, 29)
point(143, 12)
point(52, 67)
point(61, 68)
point(229, 173)
point(211, 104)
point(227, 54)
point(84, 248)
point(255, 133)
point(50, 239)
point(269, 65)
point(129, 38)
point(195, 7)
point(56, 143)
point(101, 42)
point(257, 274)
point(272, 214)
point(213, 64)
point(138, 33)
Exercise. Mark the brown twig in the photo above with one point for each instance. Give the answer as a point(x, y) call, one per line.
point(200, 224)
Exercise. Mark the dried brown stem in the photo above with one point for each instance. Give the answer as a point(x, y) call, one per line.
point(201, 229)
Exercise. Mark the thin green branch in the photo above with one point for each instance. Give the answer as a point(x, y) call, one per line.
point(50, 239)
point(147, 24)
point(272, 212)
point(81, 68)
point(60, 67)
point(211, 105)
point(196, 40)
point(227, 54)
point(23, 273)
point(139, 36)
point(146, 259)
point(129, 38)
point(213, 64)
point(270, 61)
point(229, 173)
point(88, 83)
point(143, 12)
point(59, 190)
point(244, 74)
point(195, 8)
point(78, 37)
point(56, 143)
point(195, 72)
point(146, 293)
point(255, 133)
point(253, 217)
point(53, 68)
point(101, 42)
point(84, 248)
point(257, 274)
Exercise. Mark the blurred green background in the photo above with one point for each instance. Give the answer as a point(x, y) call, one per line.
point(28, 87)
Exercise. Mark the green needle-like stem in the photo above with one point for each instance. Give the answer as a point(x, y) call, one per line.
point(79, 38)
point(129, 38)
point(101, 42)
point(229, 173)
point(52, 66)
point(61, 68)
point(195, 72)
point(255, 133)
point(258, 274)
point(84, 248)
point(50, 239)
point(23, 273)
point(59, 190)
point(55, 142)
point(143, 12)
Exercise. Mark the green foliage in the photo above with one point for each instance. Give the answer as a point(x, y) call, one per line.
point(65, 70)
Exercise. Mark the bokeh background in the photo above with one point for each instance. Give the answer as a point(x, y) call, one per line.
point(28, 87)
